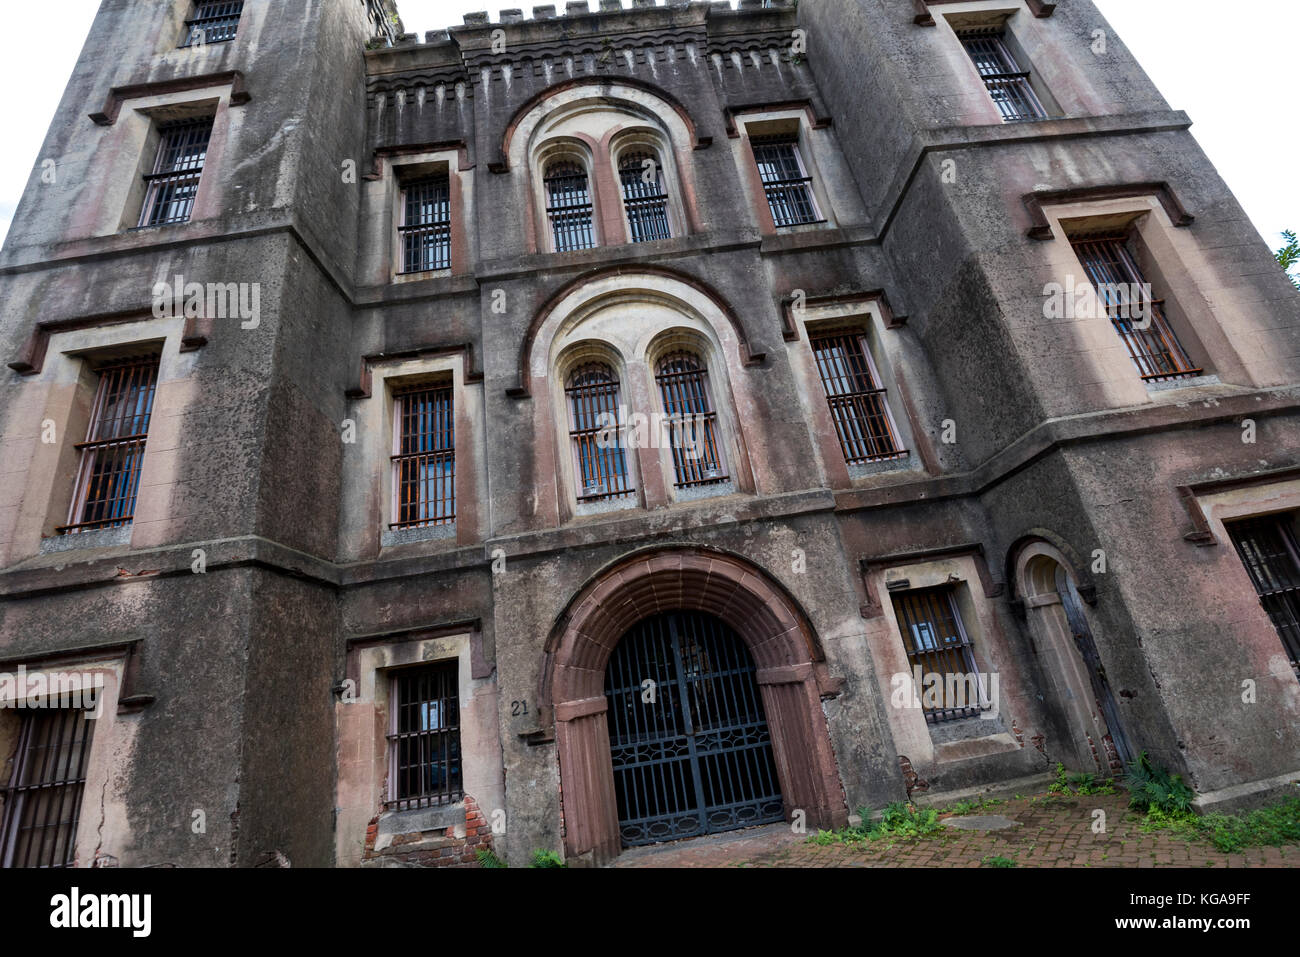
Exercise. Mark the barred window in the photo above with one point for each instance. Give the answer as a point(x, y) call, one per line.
point(425, 229)
point(569, 205)
point(424, 737)
point(595, 432)
point(692, 422)
point(1007, 83)
point(108, 476)
point(1139, 319)
point(171, 187)
point(786, 182)
point(213, 21)
point(644, 196)
point(858, 405)
point(41, 802)
point(424, 458)
point(936, 642)
point(1267, 547)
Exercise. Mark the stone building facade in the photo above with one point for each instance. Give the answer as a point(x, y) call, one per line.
point(309, 328)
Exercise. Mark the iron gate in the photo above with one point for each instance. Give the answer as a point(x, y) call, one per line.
point(688, 738)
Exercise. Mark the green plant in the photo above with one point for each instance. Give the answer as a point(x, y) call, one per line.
point(823, 838)
point(901, 819)
point(1289, 256)
point(1269, 826)
point(1067, 783)
point(486, 858)
point(1151, 785)
point(546, 859)
point(996, 860)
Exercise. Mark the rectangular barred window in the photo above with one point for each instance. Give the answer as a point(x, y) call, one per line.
point(1267, 547)
point(426, 224)
point(786, 182)
point(1007, 83)
point(936, 642)
point(424, 459)
point(171, 187)
point(42, 799)
point(863, 422)
point(1138, 318)
point(108, 476)
point(424, 737)
point(214, 21)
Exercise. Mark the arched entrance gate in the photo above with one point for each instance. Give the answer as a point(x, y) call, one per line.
point(683, 588)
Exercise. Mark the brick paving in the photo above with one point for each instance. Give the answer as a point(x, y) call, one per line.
point(1052, 831)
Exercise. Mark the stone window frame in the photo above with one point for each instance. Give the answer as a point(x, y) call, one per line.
point(1021, 30)
point(368, 509)
point(362, 718)
point(866, 317)
point(927, 745)
point(559, 149)
point(400, 167)
point(396, 390)
point(102, 826)
point(62, 393)
point(1171, 260)
point(815, 151)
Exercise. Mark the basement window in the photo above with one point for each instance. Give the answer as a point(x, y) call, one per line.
point(424, 768)
point(938, 646)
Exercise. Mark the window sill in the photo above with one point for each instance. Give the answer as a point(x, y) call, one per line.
point(693, 493)
point(1186, 382)
point(407, 536)
point(974, 737)
point(76, 541)
point(902, 463)
point(603, 506)
point(404, 277)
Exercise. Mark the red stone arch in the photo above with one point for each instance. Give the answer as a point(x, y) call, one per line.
point(791, 676)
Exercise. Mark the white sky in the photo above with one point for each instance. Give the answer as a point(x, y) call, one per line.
point(1231, 68)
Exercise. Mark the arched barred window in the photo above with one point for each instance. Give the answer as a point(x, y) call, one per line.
point(645, 198)
point(568, 205)
point(595, 432)
point(683, 381)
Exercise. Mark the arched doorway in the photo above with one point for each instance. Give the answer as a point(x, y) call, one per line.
point(789, 671)
point(689, 742)
point(1054, 609)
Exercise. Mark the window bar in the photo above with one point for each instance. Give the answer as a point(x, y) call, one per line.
point(1267, 547)
point(786, 183)
point(424, 738)
point(425, 231)
point(174, 182)
point(936, 640)
point(683, 387)
point(213, 22)
point(570, 206)
point(1118, 282)
point(1006, 82)
point(108, 475)
point(646, 203)
point(863, 422)
point(424, 461)
point(42, 801)
point(593, 398)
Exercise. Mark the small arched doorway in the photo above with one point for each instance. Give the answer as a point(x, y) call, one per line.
point(1054, 609)
point(688, 735)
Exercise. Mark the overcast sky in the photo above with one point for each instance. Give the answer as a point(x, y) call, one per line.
point(1231, 68)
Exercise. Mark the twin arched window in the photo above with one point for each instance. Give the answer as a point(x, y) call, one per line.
point(570, 209)
point(687, 422)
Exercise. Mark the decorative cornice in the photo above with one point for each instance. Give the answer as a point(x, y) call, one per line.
point(923, 17)
point(119, 94)
point(818, 118)
point(1041, 229)
point(365, 380)
point(790, 332)
point(975, 550)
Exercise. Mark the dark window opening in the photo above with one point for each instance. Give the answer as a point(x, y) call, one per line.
point(858, 405)
point(424, 737)
point(692, 422)
point(1267, 547)
point(595, 428)
point(42, 800)
point(214, 21)
point(424, 459)
point(174, 182)
point(1008, 84)
point(786, 182)
point(425, 230)
point(569, 206)
point(936, 642)
point(644, 196)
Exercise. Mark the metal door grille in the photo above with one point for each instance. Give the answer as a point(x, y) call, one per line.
point(786, 183)
point(424, 463)
point(692, 423)
point(424, 737)
point(1007, 83)
point(1121, 289)
point(936, 641)
point(688, 737)
point(174, 182)
point(595, 430)
point(213, 22)
point(42, 801)
point(569, 208)
point(1268, 549)
point(646, 202)
point(863, 422)
point(108, 476)
point(426, 224)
